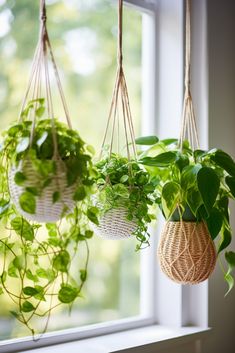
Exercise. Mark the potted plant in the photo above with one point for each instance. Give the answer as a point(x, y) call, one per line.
point(47, 176)
point(125, 193)
point(40, 187)
point(45, 180)
point(193, 193)
point(124, 188)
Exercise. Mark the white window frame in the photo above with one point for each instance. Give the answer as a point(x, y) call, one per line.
point(163, 302)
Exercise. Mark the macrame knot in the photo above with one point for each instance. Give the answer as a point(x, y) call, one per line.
point(43, 18)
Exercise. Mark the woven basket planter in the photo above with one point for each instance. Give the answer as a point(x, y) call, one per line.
point(114, 225)
point(46, 210)
point(186, 252)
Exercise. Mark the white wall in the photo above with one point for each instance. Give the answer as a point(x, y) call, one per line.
point(221, 93)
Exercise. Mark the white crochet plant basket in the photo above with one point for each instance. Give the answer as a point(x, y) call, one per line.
point(114, 225)
point(46, 210)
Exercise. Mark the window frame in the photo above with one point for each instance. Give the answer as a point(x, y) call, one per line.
point(162, 301)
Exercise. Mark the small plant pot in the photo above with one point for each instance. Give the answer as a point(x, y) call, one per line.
point(114, 225)
point(186, 252)
point(47, 211)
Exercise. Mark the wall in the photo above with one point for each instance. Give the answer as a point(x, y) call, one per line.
point(221, 109)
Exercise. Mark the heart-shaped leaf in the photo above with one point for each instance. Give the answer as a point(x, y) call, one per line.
point(208, 185)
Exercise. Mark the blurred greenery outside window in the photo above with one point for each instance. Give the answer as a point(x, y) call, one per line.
point(83, 34)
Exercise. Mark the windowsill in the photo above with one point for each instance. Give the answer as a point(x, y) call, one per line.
point(148, 339)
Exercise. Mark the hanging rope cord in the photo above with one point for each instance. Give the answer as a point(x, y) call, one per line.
point(188, 122)
point(39, 69)
point(120, 94)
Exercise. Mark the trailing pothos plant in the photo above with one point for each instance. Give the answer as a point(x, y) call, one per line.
point(18, 150)
point(124, 183)
point(194, 186)
point(39, 268)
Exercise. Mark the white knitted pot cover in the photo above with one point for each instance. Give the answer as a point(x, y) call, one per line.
point(114, 225)
point(46, 210)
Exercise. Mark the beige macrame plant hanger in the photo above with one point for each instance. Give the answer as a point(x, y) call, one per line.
point(114, 224)
point(186, 251)
point(40, 85)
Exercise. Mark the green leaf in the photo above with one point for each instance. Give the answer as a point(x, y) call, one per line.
point(1, 291)
point(146, 140)
point(56, 196)
point(40, 111)
point(14, 314)
point(182, 161)
point(48, 274)
point(224, 161)
point(124, 178)
point(230, 258)
point(214, 222)
point(31, 291)
point(61, 261)
point(34, 191)
point(194, 200)
point(168, 142)
point(230, 181)
point(226, 237)
point(92, 215)
point(121, 190)
point(162, 160)
point(67, 294)
point(223, 205)
point(40, 293)
point(14, 130)
point(31, 276)
point(170, 198)
point(3, 276)
point(23, 228)
point(208, 185)
point(89, 234)
point(27, 307)
point(19, 262)
point(189, 176)
point(12, 271)
point(22, 145)
point(83, 275)
point(42, 139)
point(230, 281)
point(197, 154)
point(27, 202)
point(4, 206)
point(80, 193)
point(19, 178)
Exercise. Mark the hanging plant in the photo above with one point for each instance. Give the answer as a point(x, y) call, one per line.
point(124, 199)
point(46, 175)
point(193, 192)
point(125, 189)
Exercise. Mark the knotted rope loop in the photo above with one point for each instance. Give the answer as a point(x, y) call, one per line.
point(188, 122)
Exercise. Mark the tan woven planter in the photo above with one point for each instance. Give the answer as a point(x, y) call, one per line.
point(186, 252)
point(114, 225)
point(46, 210)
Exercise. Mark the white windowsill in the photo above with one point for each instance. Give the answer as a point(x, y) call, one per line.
point(148, 339)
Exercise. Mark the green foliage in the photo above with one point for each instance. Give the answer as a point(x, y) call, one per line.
point(124, 183)
point(39, 258)
point(208, 184)
point(147, 140)
point(194, 186)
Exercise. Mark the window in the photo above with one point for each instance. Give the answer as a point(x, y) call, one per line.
point(83, 34)
point(84, 39)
